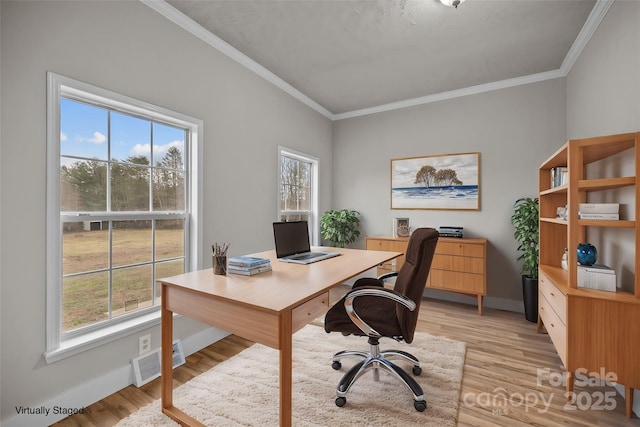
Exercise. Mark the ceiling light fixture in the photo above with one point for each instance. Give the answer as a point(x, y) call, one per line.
point(452, 3)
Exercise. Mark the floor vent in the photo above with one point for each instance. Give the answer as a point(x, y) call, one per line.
point(147, 366)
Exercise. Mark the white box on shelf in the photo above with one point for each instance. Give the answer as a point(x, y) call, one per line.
point(599, 208)
point(596, 276)
point(604, 216)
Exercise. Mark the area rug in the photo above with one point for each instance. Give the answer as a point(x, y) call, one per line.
point(243, 390)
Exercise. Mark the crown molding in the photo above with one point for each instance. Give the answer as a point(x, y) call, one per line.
point(593, 21)
point(472, 90)
point(177, 17)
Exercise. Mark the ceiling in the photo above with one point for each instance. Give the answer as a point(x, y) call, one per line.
point(351, 57)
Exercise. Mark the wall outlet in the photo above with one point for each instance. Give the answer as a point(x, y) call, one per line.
point(144, 344)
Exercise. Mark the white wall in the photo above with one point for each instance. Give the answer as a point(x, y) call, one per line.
point(603, 87)
point(128, 48)
point(603, 98)
point(513, 129)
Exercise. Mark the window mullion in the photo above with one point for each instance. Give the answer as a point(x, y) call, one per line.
point(110, 273)
point(151, 170)
point(109, 165)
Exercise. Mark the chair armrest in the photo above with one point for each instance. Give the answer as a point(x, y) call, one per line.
point(373, 292)
point(385, 276)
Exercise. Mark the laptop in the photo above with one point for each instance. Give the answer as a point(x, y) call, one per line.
point(292, 243)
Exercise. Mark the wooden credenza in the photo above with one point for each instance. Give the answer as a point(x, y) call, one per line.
point(459, 265)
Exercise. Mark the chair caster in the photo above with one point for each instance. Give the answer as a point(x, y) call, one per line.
point(341, 401)
point(417, 370)
point(336, 365)
point(420, 405)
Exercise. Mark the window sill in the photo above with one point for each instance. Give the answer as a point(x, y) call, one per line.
point(78, 344)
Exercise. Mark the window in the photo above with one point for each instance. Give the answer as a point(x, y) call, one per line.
point(122, 211)
point(298, 189)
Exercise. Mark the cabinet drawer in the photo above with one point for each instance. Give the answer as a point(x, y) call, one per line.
point(458, 263)
point(386, 245)
point(464, 249)
point(306, 312)
point(556, 299)
point(555, 327)
point(456, 281)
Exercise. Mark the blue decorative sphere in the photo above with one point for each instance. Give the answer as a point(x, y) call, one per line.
point(587, 254)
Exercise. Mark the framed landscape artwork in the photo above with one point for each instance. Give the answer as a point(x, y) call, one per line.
point(446, 181)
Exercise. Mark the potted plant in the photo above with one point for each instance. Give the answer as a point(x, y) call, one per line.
point(525, 220)
point(340, 227)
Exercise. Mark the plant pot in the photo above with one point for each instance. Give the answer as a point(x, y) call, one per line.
point(530, 298)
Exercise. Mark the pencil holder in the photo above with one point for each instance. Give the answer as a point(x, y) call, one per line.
point(220, 265)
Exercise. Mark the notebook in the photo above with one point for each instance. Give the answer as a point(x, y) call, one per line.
point(292, 243)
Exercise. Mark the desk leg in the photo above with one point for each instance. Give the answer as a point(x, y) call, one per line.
point(167, 365)
point(286, 376)
point(167, 353)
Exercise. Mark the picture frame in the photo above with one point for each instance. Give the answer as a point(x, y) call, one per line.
point(444, 181)
point(401, 227)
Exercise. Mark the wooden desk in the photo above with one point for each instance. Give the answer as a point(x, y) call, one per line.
point(266, 308)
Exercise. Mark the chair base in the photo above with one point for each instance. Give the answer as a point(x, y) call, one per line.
point(376, 360)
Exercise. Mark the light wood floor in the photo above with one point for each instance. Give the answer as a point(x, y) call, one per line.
point(504, 356)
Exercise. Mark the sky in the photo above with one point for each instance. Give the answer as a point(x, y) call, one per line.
point(403, 171)
point(84, 132)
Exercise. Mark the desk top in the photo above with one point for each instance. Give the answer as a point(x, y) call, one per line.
point(286, 284)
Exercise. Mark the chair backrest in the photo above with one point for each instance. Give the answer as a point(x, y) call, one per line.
point(412, 277)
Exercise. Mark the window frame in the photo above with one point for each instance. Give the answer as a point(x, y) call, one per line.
point(60, 345)
point(314, 228)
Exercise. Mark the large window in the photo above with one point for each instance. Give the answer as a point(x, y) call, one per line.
point(298, 189)
point(122, 197)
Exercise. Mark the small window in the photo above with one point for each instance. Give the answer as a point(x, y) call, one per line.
point(298, 189)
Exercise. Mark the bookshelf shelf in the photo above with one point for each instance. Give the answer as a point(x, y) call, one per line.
point(561, 189)
point(606, 183)
point(606, 223)
point(554, 220)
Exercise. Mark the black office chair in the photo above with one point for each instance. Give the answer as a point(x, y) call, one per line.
point(372, 310)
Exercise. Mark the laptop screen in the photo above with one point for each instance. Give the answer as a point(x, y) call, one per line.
point(291, 238)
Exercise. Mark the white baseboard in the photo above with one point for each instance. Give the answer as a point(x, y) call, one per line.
point(488, 301)
point(97, 389)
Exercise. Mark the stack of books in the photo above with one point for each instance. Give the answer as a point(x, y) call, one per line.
point(559, 176)
point(606, 211)
point(597, 276)
point(451, 231)
point(248, 265)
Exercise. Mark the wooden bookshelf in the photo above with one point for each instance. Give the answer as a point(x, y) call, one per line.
point(591, 330)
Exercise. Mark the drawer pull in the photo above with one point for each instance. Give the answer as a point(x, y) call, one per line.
point(552, 294)
point(552, 325)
